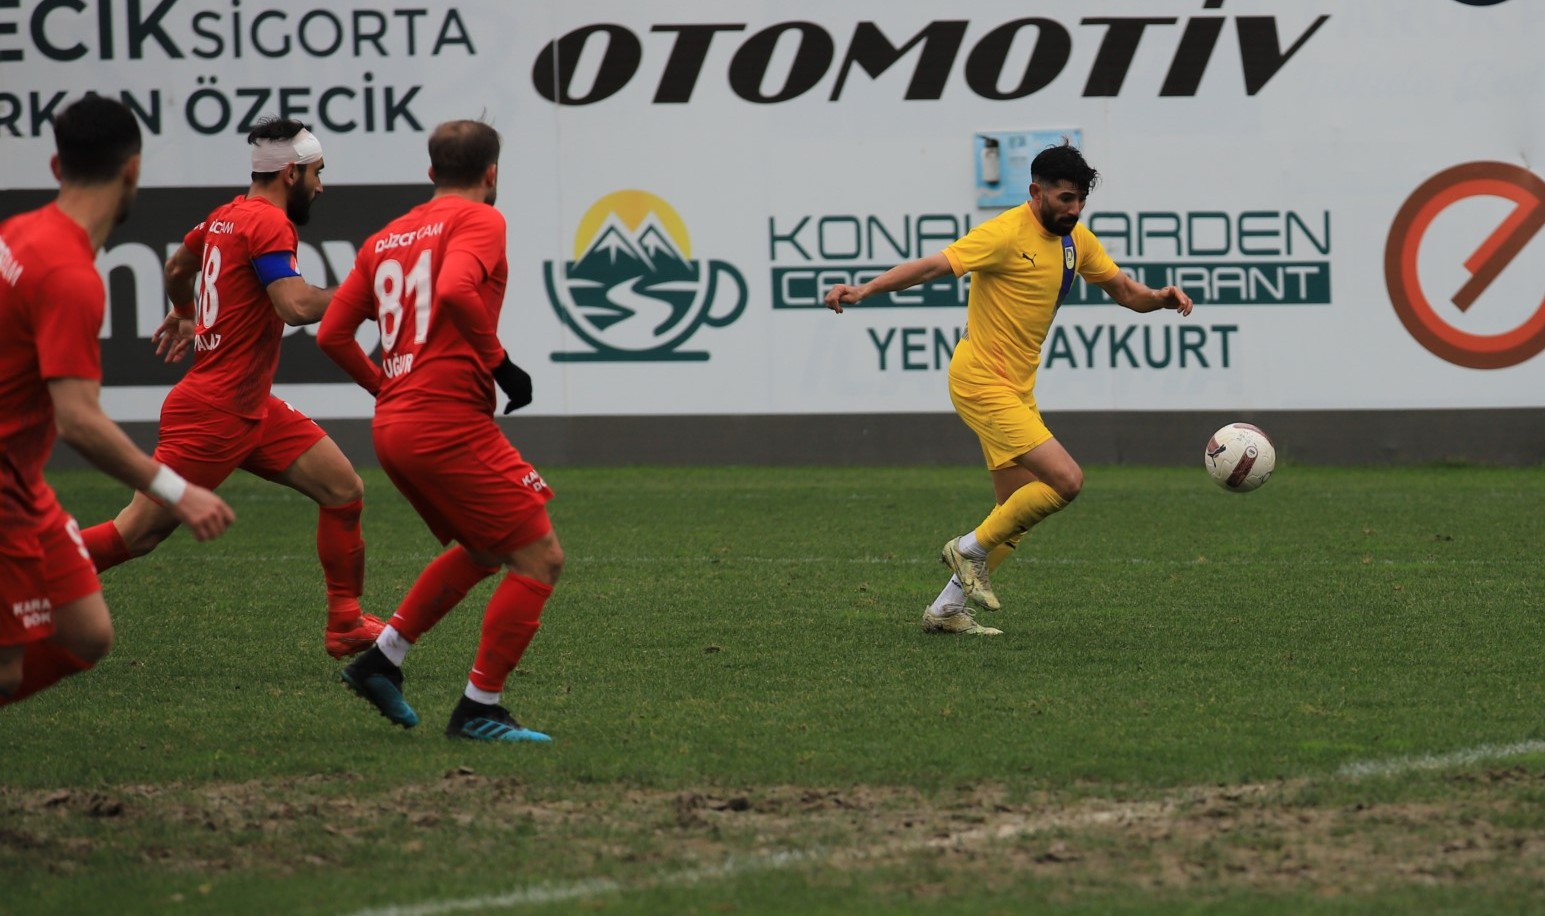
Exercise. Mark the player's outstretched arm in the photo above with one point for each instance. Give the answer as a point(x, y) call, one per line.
point(81, 422)
point(902, 276)
point(1139, 297)
point(298, 302)
point(349, 309)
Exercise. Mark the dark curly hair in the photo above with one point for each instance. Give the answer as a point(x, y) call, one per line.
point(1063, 163)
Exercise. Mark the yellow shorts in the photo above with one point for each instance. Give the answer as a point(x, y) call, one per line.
point(1005, 421)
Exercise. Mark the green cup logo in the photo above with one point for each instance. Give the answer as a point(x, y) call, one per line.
point(633, 292)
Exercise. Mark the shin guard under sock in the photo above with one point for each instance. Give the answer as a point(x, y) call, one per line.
point(440, 587)
point(513, 615)
point(1027, 506)
point(341, 548)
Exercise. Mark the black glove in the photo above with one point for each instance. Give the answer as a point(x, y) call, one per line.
point(515, 383)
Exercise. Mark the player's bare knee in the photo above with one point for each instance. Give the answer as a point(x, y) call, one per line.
point(91, 645)
point(96, 648)
point(541, 561)
point(342, 489)
point(554, 561)
point(1069, 486)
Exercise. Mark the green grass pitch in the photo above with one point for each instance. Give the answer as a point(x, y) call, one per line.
point(1324, 696)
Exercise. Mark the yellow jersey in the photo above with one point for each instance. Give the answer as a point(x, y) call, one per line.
point(1016, 270)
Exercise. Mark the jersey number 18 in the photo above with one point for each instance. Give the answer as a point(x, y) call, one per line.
point(209, 293)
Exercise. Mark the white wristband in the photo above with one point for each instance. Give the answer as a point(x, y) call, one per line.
point(167, 486)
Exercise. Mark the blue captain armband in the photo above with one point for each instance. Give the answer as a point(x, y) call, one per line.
point(276, 265)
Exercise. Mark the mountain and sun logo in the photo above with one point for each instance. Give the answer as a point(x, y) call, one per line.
point(633, 291)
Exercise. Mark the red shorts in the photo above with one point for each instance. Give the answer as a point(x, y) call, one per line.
point(40, 570)
point(205, 445)
point(467, 482)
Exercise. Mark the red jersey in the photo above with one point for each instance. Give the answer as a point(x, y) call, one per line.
point(236, 350)
point(438, 344)
point(51, 306)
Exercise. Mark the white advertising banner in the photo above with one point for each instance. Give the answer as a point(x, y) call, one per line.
point(1350, 189)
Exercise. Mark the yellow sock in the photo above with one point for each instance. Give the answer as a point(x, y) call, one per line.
point(997, 555)
point(1029, 504)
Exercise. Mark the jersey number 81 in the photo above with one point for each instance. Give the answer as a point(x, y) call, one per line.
point(393, 290)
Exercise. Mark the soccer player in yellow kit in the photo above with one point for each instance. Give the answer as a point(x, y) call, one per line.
point(1022, 264)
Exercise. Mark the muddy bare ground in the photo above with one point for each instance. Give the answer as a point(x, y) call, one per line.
point(1484, 827)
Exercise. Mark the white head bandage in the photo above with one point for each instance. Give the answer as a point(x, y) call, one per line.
point(274, 155)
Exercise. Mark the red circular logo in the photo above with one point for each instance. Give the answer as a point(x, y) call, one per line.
point(1436, 194)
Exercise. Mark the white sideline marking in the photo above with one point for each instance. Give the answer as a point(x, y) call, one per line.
point(543, 894)
point(735, 866)
point(1365, 768)
point(1006, 829)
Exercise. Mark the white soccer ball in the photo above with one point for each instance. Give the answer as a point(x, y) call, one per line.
point(1240, 458)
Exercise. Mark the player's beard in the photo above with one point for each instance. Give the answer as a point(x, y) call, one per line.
point(1060, 226)
point(297, 206)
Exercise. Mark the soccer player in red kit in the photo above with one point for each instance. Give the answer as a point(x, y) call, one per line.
point(434, 281)
point(223, 415)
point(53, 621)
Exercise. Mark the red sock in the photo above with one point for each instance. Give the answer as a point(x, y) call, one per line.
point(341, 548)
point(440, 587)
point(105, 545)
point(42, 665)
point(513, 615)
